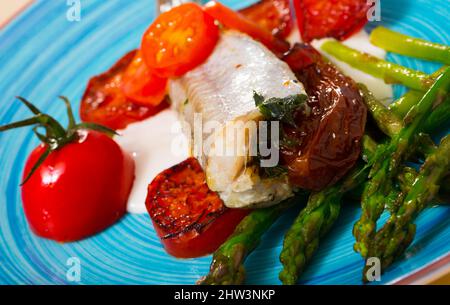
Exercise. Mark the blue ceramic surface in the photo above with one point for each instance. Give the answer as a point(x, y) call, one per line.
point(42, 55)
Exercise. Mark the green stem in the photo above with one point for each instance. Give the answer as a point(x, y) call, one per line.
point(227, 266)
point(388, 123)
point(402, 106)
point(391, 125)
point(439, 119)
point(387, 162)
point(410, 46)
point(69, 112)
point(302, 239)
point(56, 136)
point(397, 234)
point(391, 73)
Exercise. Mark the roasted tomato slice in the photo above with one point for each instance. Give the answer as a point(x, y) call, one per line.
point(330, 18)
point(327, 142)
point(272, 15)
point(237, 21)
point(179, 40)
point(142, 85)
point(104, 103)
point(190, 219)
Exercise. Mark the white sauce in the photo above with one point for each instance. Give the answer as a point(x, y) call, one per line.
point(156, 144)
point(360, 41)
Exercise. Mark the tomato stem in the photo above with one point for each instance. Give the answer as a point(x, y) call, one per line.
point(56, 135)
point(69, 112)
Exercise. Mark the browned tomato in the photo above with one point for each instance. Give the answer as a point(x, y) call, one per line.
point(327, 143)
point(190, 219)
point(273, 15)
point(330, 18)
point(104, 102)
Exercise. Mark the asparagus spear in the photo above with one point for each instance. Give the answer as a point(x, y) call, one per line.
point(313, 222)
point(322, 210)
point(387, 161)
point(402, 106)
point(390, 124)
point(389, 72)
point(398, 232)
point(227, 266)
point(439, 118)
point(410, 46)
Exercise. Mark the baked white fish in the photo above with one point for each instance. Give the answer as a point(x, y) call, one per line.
point(219, 94)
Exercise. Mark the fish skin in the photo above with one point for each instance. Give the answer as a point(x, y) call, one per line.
point(221, 90)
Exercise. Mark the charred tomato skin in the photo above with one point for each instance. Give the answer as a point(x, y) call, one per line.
point(190, 219)
point(79, 190)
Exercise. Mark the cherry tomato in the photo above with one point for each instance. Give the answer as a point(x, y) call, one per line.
point(141, 85)
point(79, 189)
point(272, 15)
point(329, 138)
point(236, 21)
point(190, 219)
point(330, 18)
point(179, 40)
point(104, 102)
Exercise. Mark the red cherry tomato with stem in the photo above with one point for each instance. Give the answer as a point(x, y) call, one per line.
point(77, 182)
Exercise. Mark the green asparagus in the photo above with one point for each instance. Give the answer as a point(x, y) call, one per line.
point(387, 162)
point(322, 209)
point(227, 266)
point(313, 222)
point(410, 46)
point(389, 72)
point(440, 118)
point(390, 124)
point(402, 106)
point(398, 232)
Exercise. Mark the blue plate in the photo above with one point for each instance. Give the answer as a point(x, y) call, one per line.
point(43, 55)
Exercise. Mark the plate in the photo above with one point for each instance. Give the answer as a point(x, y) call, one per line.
point(43, 55)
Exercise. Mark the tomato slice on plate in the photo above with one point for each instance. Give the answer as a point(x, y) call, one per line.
point(190, 219)
point(272, 15)
point(179, 40)
point(330, 18)
point(104, 102)
point(236, 21)
point(142, 85)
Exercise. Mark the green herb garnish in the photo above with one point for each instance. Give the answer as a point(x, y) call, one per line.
point(280, 109)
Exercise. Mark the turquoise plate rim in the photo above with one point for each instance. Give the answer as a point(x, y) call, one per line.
point(26, 259)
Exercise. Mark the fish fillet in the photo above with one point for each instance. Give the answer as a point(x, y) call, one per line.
point(219, 93)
